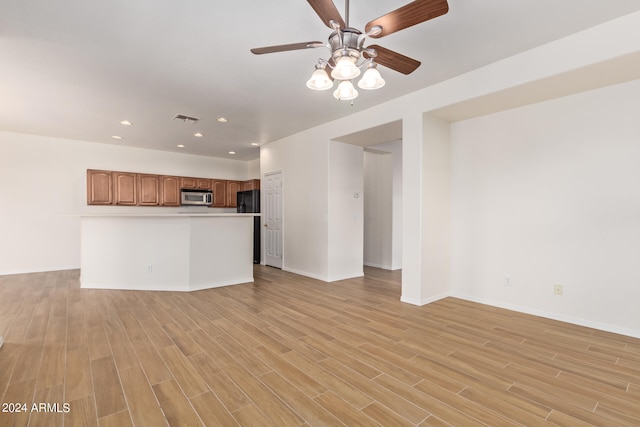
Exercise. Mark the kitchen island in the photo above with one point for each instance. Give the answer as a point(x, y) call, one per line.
point(166, 252)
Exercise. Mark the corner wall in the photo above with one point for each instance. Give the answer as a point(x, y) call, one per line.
point(548, 194)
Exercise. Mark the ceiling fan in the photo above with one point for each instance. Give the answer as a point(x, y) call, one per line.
point(348, 53)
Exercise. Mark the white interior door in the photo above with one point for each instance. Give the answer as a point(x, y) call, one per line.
point(273, 219)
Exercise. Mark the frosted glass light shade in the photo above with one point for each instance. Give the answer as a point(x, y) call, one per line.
point(345, 91)
point(319, 80)
point(345, 69)
point(371, 79)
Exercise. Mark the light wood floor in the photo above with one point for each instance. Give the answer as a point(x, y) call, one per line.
point(290, 351)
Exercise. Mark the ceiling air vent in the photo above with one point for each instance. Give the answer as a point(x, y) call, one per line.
point(186, 119)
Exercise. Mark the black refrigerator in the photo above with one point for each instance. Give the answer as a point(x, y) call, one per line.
point(249, 202)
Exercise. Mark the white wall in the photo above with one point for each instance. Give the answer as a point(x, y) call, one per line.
point(303, 159)
point(43, 188)
point(436, 209)
point(550, 194)
point(253, 169)
point(394, 240)
point(345, 249)
point(378, 204)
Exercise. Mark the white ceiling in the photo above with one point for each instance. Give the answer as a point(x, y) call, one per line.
point(76, 68)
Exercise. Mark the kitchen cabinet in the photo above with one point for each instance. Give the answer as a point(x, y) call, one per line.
point(99, 187)
point(219, 187)
point(196, 183)
point(124, 188)
point(252, 184)
point(204, 184)
point(232, 193)
point(148, 190)
point(186, 182)
point(170, 190)
point(139, 189)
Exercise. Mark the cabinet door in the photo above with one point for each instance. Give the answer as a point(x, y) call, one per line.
point(186, 182)
point(232, 193)
point(219, 187)
point(170, 190)
point(252, 184)
point(99, 187)
point(148, 190)
point(124, 188)
point(204, 184)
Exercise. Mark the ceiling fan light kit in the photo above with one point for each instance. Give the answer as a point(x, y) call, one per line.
point(348, 53)
point(345, 91)
point(319, 79)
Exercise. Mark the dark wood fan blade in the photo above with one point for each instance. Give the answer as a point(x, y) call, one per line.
point(286, 47)
point(327, 11)
point(408, 15)
point(394, 60)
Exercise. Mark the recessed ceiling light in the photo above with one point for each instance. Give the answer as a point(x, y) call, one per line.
point(116, 137)
point(232, 152)
point(255, 144)
point(222, 120)
point(198, 135)
point(126, 123)
point(180, 145)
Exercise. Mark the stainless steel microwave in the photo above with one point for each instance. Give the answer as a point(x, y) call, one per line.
point(196, 197)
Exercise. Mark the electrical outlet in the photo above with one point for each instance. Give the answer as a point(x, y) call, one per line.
point(557, 289)
point(507, 281)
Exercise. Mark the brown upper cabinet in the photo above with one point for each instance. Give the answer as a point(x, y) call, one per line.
point(196, 183)
point(232, 193)
point(99, 187)
point(219, 187)
point(148, 190)
point(252, 184)
point(124, 189)
point(131, 189)
point(170, 190)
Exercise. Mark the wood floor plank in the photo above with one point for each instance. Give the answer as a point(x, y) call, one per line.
point(82, 413)
point(218, 381)
point(141, 401)
point(381, 394)
point(51, 372)
point(307, 408)
point(78, 383)
point(123, 353)
point(181, 339)
point(20, 393)
point(121, 419)
point(49, 403)
point(251, 416)
point(150, 360)
point(346, 413)
point(291, 373)
point(183, 371)
point(176, 407)
point(211, 411)
point(347, 392)
point(106, 387)
point(29, 361)
point(263, 398)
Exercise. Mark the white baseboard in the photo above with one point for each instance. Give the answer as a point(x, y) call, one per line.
point(424, 301)
point(553, 316)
